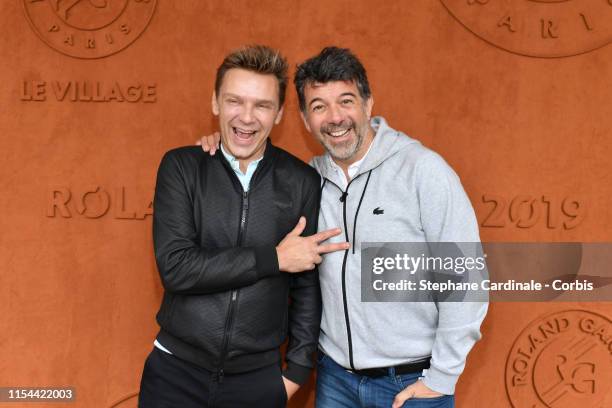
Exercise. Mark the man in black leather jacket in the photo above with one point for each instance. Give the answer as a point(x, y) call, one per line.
point(230, 233)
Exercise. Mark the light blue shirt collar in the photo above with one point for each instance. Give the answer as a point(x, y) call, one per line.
point(244, 178)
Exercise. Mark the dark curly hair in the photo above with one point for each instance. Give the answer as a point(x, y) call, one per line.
point(332, 64)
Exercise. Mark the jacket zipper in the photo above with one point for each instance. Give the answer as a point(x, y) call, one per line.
point(234, 294)
point(346, 252)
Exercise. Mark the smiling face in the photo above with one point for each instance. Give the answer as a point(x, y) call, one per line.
point(248, 107)
point(339, 118)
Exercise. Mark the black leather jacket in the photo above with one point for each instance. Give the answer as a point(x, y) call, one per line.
point(226, 306)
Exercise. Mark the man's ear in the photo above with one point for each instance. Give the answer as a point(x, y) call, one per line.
point(369, 104)
point(303, 116)
point(215, 104)
point(279, 116)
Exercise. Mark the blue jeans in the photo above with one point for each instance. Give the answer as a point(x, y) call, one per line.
point(338, 388)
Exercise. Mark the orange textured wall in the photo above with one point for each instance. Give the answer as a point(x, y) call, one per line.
point(515, 95)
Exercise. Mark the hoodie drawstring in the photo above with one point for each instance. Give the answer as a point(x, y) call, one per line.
point(358, 207)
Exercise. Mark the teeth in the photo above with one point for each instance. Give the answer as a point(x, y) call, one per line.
point(339, 133)
point(244, 132)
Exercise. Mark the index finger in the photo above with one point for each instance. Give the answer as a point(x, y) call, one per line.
point(325, 235)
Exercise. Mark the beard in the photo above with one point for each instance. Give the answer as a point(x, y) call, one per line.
point(345, 150)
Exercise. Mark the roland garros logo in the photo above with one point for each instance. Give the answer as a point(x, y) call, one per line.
point(89, 28)
point(562, 360)
point(537, 28)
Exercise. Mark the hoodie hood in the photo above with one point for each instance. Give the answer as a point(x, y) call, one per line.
point(387, 142)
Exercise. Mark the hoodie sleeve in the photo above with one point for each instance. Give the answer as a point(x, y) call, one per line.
point(447, 216)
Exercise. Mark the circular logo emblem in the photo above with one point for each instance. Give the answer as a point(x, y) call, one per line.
point(89, 28)
point(561, 360)
point(537, 28)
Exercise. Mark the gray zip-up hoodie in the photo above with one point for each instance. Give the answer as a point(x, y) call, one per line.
point(422, 200)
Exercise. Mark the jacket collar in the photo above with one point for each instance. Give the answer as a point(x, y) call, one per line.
point(269, 156)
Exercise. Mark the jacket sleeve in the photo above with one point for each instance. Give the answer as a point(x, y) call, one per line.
point(305, 296)
point(447, 216)
point(184, 266)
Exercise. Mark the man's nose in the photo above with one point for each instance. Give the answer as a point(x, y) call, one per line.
point(246, 114)
point(335, 115)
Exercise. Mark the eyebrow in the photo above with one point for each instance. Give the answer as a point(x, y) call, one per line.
point(341, 95)
point(315, 100)
point(231, 95)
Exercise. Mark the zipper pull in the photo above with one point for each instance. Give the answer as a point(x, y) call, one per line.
point(220, 375)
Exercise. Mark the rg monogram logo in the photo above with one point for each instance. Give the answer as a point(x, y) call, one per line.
point(561, 361)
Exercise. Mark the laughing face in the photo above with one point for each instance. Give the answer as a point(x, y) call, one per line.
point(339, 117)
point(247, 107)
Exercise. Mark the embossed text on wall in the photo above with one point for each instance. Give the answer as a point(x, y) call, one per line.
point(95, 202)
point(88, 91)
point(527, 211)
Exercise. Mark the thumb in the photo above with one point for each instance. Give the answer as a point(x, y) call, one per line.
point(401, 398)
point(299, 228)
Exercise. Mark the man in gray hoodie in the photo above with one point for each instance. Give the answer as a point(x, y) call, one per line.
point(381, 186)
